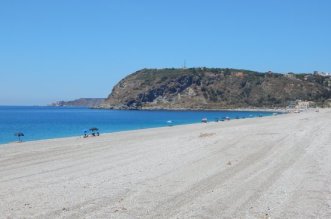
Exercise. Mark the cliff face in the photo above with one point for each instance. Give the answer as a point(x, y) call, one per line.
point(203, 88)
point(82, 102)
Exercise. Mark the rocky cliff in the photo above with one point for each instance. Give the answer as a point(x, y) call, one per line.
point(214, 88)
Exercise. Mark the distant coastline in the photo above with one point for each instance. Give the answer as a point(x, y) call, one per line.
point(81, 102)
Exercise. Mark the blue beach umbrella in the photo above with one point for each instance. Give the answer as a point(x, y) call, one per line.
point(94, 130)
point(85, 131)
point(19, 135)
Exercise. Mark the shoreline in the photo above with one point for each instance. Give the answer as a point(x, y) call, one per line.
point(125, 131)
point(164, 125)
point(280, 109)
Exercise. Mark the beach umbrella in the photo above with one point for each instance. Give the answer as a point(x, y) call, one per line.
point(94, 129)
point(85, 131)
point(19, 135)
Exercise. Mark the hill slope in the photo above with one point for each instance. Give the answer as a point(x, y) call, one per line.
point(84, 102)
point(206, 88)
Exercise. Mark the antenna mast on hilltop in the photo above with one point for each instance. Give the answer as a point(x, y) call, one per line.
point(184, 66)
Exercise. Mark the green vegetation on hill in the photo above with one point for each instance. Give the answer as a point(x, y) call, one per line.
point(214, 88)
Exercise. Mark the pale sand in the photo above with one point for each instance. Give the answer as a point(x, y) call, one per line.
point(278, 167)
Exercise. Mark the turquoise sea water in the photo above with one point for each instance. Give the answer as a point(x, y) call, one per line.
point(53, 122)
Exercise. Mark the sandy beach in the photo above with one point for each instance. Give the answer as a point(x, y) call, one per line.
point(270, 167)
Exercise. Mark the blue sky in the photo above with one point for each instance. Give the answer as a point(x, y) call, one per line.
point(66, 49)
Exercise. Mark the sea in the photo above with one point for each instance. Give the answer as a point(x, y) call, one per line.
point(39, 123)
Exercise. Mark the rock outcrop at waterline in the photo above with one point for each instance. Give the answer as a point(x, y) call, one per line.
point(214, 88)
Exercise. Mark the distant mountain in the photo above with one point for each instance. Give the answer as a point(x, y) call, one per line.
point(84, 102)
point(215, 88)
